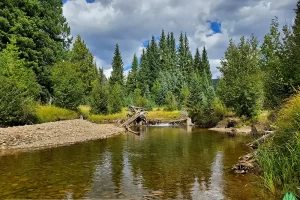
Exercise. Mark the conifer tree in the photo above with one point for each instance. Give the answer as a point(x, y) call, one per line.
point(99, 98)
point(153, 60)
point(132, 79)
point(115, 99)
point(117, 66)
point(197, 61)
point(83, 62)
point(144, 72)
point(206, 66)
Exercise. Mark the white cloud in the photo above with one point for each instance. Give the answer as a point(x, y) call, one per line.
point(129, 23)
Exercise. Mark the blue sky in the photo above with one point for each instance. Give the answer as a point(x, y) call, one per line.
point(131, 23)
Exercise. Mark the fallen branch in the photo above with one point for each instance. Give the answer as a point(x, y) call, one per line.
point(261, 140)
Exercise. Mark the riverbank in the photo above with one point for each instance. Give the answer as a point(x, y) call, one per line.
point(54, 134)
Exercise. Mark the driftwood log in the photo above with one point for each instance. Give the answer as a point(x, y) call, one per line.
point(138, 115)
point(261, 140)
point(246, 164)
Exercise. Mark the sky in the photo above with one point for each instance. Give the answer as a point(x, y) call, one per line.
point(209, 23)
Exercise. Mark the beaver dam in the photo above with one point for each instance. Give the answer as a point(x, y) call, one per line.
point(162, 162)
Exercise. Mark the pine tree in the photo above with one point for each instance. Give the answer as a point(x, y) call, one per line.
point(197, 61)
point(206, 66)
point(163, 52)
point(83, 62)
point(153, 60)
point(132, 79)
point(117, 66)
point(144, 72)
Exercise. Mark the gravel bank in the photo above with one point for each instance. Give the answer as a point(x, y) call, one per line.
point(54, 134)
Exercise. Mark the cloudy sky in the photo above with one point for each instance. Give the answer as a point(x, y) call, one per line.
point(210, 23)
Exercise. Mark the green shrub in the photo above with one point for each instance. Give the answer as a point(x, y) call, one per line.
point(53, 113)
point(280, 157)
point(68, 87)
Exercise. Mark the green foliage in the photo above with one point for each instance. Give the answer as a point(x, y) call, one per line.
point(52, 113)
point(273, 68)
point(138, 99)
point(115, 99)
point(280, 158)
point(240, 86)
point(171, 103)
point(41, 33)
point(68, 87)
point(83, 62)
point(99, 98)
point(132, 79)
point(117, 66)
point(18, 88)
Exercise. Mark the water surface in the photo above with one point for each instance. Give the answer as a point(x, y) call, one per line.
point(168, 162)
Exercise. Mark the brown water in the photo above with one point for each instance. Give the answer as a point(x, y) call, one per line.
point(168, 162)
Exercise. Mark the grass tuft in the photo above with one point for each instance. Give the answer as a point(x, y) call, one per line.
point(280, 157)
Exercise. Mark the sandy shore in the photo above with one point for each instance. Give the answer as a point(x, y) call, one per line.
point(243, 130)
point(54, 134)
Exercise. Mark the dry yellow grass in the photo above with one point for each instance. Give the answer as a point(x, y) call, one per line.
point(53, 113)
point(156, 113)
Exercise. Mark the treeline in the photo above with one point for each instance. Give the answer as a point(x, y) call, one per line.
point(37, 66)
point(256, 77)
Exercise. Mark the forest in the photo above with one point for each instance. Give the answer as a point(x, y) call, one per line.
point(39, 67)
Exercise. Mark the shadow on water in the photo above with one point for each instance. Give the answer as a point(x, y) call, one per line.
point(170, 162)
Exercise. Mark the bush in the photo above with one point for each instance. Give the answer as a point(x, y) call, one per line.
point(280, 157)
point(52, 113)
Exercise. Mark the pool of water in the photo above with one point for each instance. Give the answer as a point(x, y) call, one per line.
point(168, 162)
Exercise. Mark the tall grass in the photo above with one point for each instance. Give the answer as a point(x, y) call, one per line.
point(280, 157)
point(52, 113)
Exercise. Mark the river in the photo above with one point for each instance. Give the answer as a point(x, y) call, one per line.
point(168, 162)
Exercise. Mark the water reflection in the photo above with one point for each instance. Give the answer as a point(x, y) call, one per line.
point(167, 162)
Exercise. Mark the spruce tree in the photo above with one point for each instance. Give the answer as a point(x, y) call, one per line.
point(144, 72)
point(206, 66)
point(117, 66)
point(197, 61)
point(132, 79)
point(83, 62)
point(153, 60)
